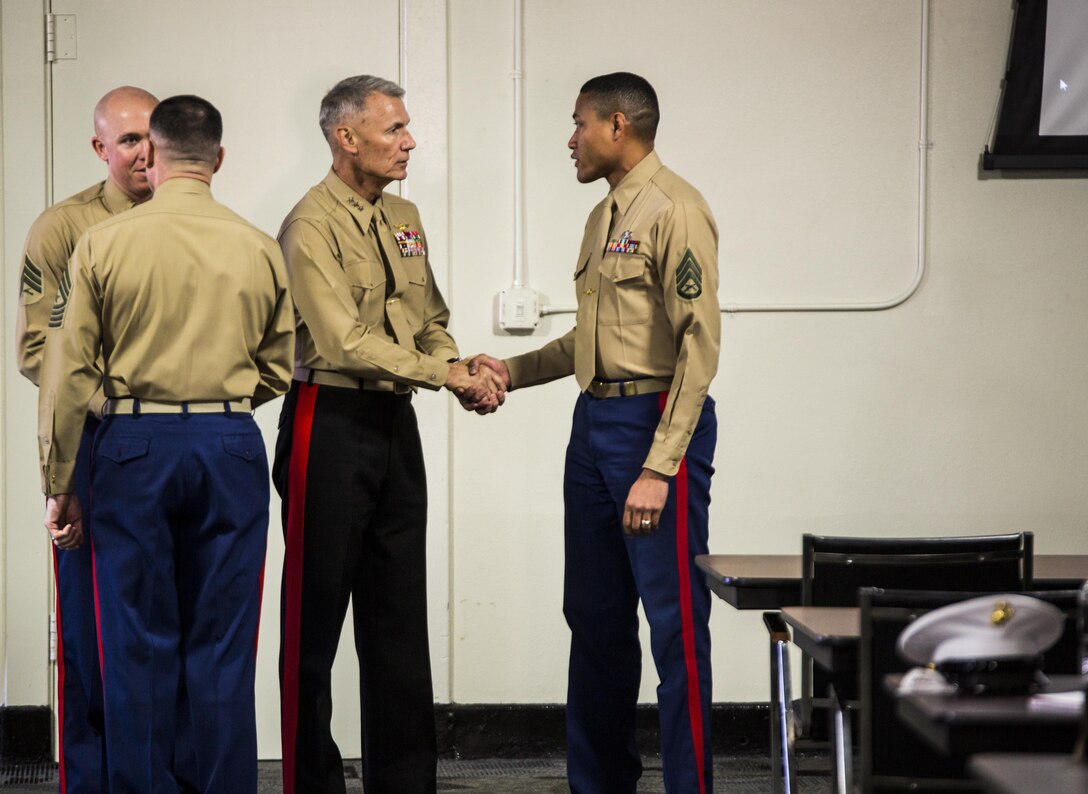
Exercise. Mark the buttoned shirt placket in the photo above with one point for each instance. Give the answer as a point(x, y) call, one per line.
point(585, 347)
point(394, 308)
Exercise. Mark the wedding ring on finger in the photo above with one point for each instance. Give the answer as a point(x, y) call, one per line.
point(646, 523)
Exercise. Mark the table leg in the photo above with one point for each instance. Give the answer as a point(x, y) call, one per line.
point(842, 748)
point(783, 766)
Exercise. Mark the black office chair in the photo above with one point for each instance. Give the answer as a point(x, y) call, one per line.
point(833, 568)
point(893, 758)
point(1081, 750)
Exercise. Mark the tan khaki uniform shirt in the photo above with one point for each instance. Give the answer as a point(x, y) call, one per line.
point(184, 301)
point(356, 315)
point(647, 284)
point(49, 245)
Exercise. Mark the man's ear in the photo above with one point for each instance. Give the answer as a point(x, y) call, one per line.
point(345, 138)
point(99, 148)
point(619, 125)
point(219, 160)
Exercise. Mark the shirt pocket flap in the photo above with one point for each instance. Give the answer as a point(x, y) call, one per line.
point(583, 260)
point(364, 273)
point(628, 267)
point(414, 270)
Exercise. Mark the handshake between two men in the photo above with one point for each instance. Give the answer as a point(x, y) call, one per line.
point(480, 383)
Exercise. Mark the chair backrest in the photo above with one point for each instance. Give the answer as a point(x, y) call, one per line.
point(892, 756)
point(1082, 628)
point(835, 567)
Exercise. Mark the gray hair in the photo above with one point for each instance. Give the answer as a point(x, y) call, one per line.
point(348, 98)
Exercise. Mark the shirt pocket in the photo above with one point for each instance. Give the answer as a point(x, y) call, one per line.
point(580, 274)
point(625, 298)
point(367, 280)
point(583, 261)
point(414, 291)
point(415, 270)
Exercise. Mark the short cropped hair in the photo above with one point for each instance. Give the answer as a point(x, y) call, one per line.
point(629, 94)
point(348, 98)
point(187, 127)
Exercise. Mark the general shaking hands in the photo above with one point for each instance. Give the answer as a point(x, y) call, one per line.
point(480, 383)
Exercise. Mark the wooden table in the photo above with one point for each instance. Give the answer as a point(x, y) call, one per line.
point(961, 725)
point(828, 634)
point(773, 581)
point(1016, 773)
point(754, 581)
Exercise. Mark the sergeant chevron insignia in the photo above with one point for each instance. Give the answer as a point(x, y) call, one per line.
point(31, 283)
point(689, 277)
point(64, 289)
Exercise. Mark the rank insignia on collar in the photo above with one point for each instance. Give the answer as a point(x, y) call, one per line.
point(409, 242)
point(689, 277)
point(624, 245)
point(356, 203)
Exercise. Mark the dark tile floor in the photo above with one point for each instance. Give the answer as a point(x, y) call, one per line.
point(732, 775)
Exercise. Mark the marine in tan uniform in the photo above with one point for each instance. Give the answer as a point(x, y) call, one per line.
point(180, 310)
point(637, 480)
point(120, 140)
point(372, 329)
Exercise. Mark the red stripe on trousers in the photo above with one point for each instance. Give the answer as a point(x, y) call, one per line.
point(98, 628)
point(296, 520)
point(61, 770)
point(687, 623)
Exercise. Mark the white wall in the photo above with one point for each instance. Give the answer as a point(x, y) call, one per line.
point(958, 412)
point(25, 560)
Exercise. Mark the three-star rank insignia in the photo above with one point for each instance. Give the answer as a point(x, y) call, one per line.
point(689, 277)
point(31, 285)
point(624, 245)
point(409, 241)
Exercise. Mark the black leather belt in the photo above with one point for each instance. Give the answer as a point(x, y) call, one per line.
point(325, 377)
